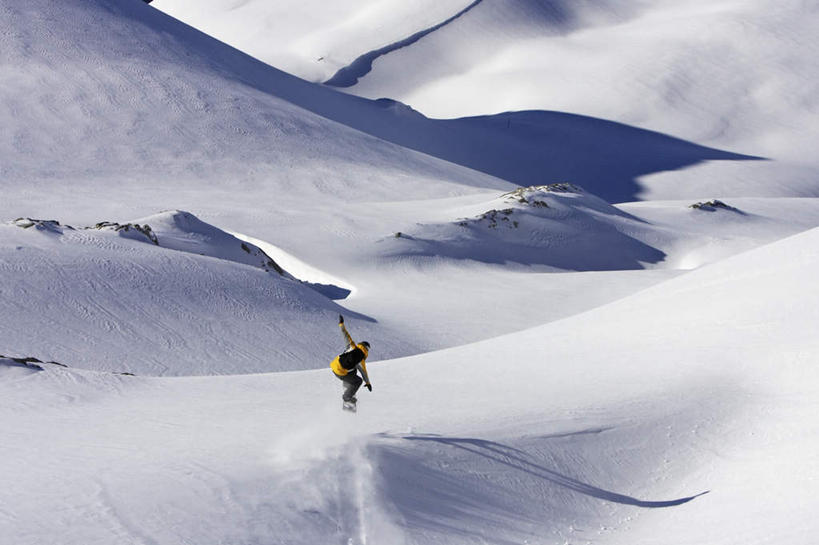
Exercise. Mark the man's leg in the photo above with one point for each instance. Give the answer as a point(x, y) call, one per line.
point(352, 382)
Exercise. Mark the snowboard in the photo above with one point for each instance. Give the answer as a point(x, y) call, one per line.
point(349, 406)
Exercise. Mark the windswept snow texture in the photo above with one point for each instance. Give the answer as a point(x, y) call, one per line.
point(125, 305)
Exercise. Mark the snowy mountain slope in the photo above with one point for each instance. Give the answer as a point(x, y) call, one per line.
point(558, 225)
point(198, 111)
point(729, 75)
point(691, 401)
point(564, 227)
point(121, 98)
point(254, 323)
point(675, 404)
point(411, 289)
point(93, 299)
point(148, 112)
point(725, 74)
point(98, 129)
point(310, 39)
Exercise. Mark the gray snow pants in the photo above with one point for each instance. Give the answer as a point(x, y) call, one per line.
point(352, 382)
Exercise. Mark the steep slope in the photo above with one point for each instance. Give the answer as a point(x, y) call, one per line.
point(120, 98)
point(730, 75)
point(710, 72)
point(686, 413)
point(151, 110)
point(310, 39)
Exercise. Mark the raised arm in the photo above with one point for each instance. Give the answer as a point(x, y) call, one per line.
point(350, 341)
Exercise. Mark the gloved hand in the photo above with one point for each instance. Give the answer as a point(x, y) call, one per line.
point(369, 387)
point(340, 319)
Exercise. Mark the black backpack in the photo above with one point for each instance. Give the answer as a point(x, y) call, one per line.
point(351, 358)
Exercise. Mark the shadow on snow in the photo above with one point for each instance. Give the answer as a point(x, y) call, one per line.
point(517, 459)
point(523, 148)
point(475, 495)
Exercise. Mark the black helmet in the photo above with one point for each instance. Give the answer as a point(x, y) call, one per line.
point(365, 344)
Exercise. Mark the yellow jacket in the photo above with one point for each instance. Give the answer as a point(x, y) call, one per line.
point(335, 365)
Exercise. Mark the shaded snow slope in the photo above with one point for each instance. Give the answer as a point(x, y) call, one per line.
point(558, 225)
point(724, 73)
point(149, 99)
point(93, 299)
point(311, 39)
point(463, 295)
point(361, 66)
point(152, 310)
point(562, 226)
point(729, 75)
point(627, 423)
point(118, 99)
point(538, 147)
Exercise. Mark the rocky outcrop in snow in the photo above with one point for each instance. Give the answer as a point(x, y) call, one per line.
point(29, 362)
point(175, 230)
point(182, 231)
point(127, 228)
point(712, 206)
point(52, 226)
point(558, 225)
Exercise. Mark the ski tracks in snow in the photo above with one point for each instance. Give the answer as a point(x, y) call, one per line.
point(326, 467)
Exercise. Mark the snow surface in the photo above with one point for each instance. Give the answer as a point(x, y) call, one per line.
point(734, 75)
point(553, 363)
point(615, 445)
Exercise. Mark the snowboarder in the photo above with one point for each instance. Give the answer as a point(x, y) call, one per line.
point(347, 365)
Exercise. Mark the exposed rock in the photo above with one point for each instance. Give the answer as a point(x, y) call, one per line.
point(127, 228)
point(711, 206)
point(52, 226)
point(492, 219)
point(33, 363)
